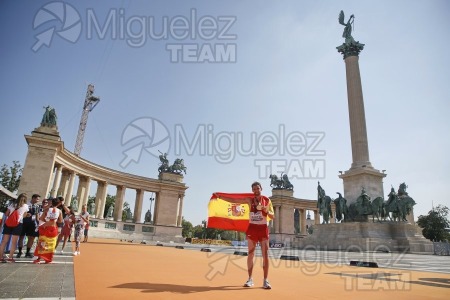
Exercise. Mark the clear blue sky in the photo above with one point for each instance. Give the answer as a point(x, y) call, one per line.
point(279, 71)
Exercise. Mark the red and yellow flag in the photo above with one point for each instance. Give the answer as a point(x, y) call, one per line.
point(227, 215)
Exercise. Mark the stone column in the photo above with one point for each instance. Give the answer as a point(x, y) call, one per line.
point(56, 181)
point(166, 208)
point(64, 184)
point(118, 205)
point(83, 191)
point(280, 219)
point(333, 214)
point(316, 217)
point(138, 205)
point(100, 199)
point(303, 222)
point(287, 222)
point(180, 210)
point(69, 192)
point(276, 217)
point(357, 116)
point(155, 209)
point(361, 173)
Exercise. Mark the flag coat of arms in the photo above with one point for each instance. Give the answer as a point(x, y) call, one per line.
point(226, 215)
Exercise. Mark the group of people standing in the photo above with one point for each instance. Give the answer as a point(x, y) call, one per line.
point(50, 221)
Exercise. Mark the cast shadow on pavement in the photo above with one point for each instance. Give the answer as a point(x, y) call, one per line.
point(147, 287)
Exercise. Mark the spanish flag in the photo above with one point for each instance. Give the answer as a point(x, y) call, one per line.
point(226, 215)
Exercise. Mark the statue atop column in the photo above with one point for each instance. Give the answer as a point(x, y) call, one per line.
point(164, 165)
point(176, 168)
point(280, 184)
point(49, 118)
point(350, 47)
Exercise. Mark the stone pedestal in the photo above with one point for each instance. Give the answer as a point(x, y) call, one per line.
point(366, 236)
point(43, 145)
point(170, 177)
point(369, 178)
point(282, 193)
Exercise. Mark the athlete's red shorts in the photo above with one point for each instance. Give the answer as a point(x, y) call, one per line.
point(257, 232)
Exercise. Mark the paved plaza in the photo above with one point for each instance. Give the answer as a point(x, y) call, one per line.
point(111, 269)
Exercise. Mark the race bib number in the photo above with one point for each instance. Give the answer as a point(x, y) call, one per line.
point(257, 218)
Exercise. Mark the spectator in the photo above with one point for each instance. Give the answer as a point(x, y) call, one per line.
point(20, 204)
point(29, 226)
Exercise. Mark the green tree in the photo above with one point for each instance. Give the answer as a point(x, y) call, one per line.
point(10, 179)
point(187, 230)
point(435, 223)
point(126, 209)
point(110, 200)
point(197, 231)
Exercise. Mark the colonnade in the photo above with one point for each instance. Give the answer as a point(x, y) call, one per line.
point(50, 169)
point(63, 181)
point(285, 205)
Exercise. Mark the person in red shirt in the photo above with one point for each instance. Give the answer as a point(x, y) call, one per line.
point(258, 230)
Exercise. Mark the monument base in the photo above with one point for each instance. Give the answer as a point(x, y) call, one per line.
point(362, 236)
point(170, 177)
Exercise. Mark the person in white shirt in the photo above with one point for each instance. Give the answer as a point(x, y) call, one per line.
point(20, 204)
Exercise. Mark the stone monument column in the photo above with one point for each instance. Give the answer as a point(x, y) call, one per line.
point(84, 184)
point(68, 195)
point(100, 199)
point(138, 205)
point(361, 173)
point(56, 181)
point(316, 217)
point(64, 183)
point(43, 146)
point(303, 230)
point(118, 205)
point(180, 210)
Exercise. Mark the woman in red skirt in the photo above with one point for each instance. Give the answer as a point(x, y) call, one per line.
point(48, 233)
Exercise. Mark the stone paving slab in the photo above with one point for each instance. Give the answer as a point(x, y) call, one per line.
point(154, 272)
point(25, 280)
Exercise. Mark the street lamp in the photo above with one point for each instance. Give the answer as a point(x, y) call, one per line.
point(151, 201)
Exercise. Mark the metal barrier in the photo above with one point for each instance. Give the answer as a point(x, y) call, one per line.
point(441, 248)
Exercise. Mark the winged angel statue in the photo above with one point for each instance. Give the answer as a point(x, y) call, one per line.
point(348, 27)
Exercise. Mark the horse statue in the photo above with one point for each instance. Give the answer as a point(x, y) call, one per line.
point(341, 207)
point(286, 183)
point(377, 208)
point(324, 204)
point(361, 207)
point(392, 205)
point(164, 163)
point(406, 203)
point(275, 183)
point(178, 166)
point(363, 203)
